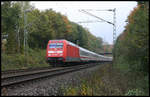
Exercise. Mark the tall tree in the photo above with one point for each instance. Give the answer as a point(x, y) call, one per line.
point(133, 44)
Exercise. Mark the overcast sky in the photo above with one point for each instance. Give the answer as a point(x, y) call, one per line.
point(101, 29)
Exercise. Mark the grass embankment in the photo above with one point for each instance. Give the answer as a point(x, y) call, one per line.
point(108, 81)
point(36, 58)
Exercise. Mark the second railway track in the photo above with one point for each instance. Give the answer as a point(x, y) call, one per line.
point(29, 76)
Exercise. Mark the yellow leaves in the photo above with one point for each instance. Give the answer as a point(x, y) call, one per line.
point(68, 25)
point(86, 90)
point(83, 90)
point(71, 91)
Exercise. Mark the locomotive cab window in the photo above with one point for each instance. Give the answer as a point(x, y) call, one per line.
point(56, 45)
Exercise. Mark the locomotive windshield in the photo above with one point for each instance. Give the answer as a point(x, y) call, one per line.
point(56, 45)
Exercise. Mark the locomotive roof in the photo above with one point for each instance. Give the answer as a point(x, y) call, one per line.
point(56, 39)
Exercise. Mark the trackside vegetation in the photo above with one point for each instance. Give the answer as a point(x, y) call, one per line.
point(131, 51)
point(18, 61)
point(108, 81)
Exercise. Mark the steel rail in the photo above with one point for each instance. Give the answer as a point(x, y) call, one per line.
point(20, 78)
point(23, 70)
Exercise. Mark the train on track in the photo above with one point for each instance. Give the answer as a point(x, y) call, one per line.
point(64, 52)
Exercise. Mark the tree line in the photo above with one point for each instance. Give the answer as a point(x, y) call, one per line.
point(41, 27)
point(132, 46)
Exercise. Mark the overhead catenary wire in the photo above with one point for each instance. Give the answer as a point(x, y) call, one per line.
point(88, 21)
point(83, 11)
point(114, 19)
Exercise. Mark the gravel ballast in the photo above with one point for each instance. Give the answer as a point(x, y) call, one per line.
point(50, 86)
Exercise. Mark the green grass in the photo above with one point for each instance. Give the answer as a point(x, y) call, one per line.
point(35, 58)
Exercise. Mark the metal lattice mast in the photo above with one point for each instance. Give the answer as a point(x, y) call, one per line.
point(114, 26)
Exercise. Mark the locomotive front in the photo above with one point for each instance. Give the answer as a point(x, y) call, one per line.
point(55, 51)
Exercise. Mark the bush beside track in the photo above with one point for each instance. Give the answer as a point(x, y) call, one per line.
point(109, 81)
point(36, 58)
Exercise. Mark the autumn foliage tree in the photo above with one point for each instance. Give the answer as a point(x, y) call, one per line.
point(41, 27)
point(132, 46)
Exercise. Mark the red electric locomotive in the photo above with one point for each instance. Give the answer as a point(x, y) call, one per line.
point(63, 51)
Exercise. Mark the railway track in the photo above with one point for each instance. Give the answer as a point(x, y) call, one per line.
point(7, 79)
point(22, 70)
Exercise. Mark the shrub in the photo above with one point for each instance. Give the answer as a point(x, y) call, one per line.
point(134, 92)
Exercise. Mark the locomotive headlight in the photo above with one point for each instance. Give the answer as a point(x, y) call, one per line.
point(55, 51)
point(51, 52)
point(59, 51)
